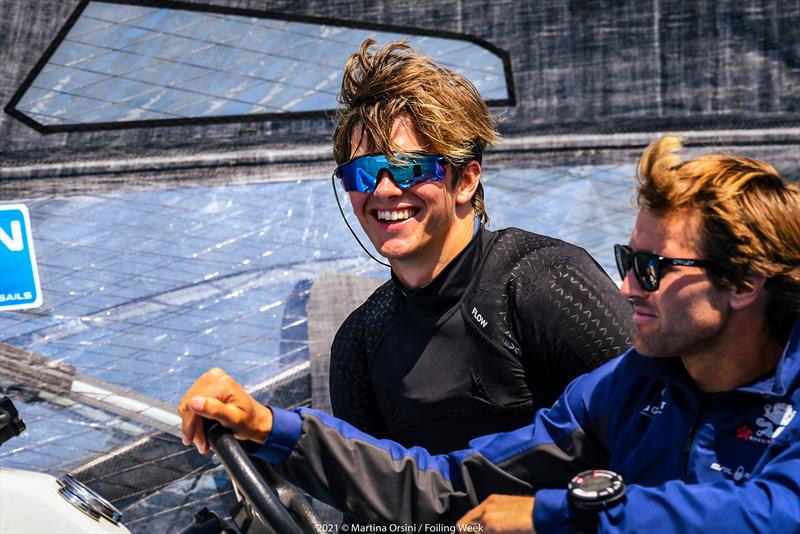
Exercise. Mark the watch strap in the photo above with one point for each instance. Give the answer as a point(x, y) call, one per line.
point(582, 521)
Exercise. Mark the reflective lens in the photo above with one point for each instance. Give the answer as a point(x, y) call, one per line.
point(625, 261)
point(647, 270)
point(363, 173)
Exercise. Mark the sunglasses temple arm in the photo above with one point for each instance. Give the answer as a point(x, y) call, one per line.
point(344, 218)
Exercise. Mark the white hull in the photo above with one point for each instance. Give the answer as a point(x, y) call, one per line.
point(30, 504)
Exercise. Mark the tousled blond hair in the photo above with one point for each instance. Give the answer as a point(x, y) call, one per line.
point(447, 110)
point(750, 217)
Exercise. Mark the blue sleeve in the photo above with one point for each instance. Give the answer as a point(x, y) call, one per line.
point(286, 427)
point(768, 502)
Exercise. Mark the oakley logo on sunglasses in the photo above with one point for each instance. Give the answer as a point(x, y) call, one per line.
point(647, 267)
point(363, 172)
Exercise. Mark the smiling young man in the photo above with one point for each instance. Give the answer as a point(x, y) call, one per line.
point(422, 228)
point(476, 329)
point(692, 430)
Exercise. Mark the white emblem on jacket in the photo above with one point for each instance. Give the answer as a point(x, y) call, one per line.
point(479, 317)
point(776, 417)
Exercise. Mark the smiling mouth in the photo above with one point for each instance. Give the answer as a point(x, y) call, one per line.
point(394, 215)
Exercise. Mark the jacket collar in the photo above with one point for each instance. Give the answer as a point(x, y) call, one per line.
point(784, 379)
point(787, 374)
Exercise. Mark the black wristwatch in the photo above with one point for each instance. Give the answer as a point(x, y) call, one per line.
point(591, 492)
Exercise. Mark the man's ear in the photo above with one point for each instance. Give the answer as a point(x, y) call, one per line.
point(746, 293)
point(470, 178)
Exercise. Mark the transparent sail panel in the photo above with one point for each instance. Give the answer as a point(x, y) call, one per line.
point(125, 63)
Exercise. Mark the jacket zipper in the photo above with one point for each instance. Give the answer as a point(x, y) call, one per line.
point(687, 447)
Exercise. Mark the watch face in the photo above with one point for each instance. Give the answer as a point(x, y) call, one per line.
point(596, 489)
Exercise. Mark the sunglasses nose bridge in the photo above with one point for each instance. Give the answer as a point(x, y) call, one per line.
point(387, 187)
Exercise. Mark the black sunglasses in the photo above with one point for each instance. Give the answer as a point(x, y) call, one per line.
point(647, 266)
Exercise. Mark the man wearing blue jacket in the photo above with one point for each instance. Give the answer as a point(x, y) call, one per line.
point(698, 419)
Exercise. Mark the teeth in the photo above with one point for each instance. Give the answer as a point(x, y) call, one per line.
point(396, 215)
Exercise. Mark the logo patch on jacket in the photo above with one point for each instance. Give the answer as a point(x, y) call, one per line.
point(775, 418)
point(737, 475)
point(653, 409)
point(478, 317)
point(656, 407)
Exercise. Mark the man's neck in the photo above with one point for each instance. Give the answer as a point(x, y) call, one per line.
point(416, 272)
point(746, 350)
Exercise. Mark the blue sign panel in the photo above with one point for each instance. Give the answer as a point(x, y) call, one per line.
point(19, 277)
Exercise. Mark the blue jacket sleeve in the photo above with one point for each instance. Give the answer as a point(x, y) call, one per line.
point(768, 502)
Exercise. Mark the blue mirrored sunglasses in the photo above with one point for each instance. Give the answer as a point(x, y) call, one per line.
point(363, 173)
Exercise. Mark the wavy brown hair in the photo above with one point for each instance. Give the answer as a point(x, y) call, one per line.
point(750, 217)
point(447, 110)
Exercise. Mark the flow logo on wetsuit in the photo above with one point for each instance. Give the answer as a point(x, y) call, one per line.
point(478, 317)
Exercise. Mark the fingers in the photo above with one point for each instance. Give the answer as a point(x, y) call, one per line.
point(192, 407)
point(197, 404)
point(202, 408)
point(471, 517)
point(199, 435)
point(188, 423)
point(211, 408)
point(187, 427)
point(215, 395)
point(192, 431)
point(501, 514)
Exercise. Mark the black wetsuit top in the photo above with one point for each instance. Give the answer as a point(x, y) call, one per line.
point(498, 334)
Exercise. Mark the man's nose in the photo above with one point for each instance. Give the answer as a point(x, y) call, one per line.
point(386, 187)
point(630, 286)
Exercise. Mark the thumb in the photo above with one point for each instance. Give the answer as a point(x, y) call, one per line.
point(198, 404)
point(212, 408)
